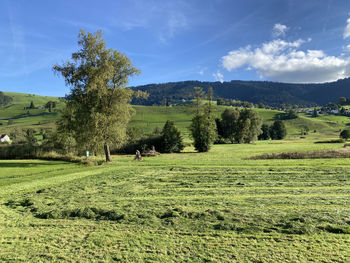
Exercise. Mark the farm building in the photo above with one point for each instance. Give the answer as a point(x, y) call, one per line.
point(5, 138)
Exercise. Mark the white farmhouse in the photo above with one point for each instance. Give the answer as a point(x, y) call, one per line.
point(5, 138)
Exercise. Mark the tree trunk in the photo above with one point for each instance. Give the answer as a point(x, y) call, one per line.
point(107, 152)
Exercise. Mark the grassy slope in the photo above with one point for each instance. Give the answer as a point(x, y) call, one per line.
point(37, 119)
point(150, 117)
point(214, 206)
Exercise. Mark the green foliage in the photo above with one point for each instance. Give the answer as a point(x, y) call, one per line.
point(30, 137)
point(242, 126)
point(345, 134)
point(288, 115)
point(171, 138)
point(31, 106)
point(98, 109)
point(248, 126)
point(203, 132)
point(278, 130)
point(265, 135)
point(134, 133)
point(203, 126)
point(342, 100)
point(229, 124)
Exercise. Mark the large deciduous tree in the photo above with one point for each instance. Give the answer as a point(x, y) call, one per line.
point(98, 106)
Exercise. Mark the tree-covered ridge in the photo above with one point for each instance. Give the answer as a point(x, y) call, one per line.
point(4, 100)
point(266, 92)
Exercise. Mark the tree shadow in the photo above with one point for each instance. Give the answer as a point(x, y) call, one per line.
point(27, 164)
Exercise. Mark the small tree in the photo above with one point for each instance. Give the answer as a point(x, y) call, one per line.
point(278, 130)
point(314, 113)
point(229, 124)
point(171, 138)
point(198, 94)
point(203, 132)
point(345, 134)
point(203, 127)
point(31, 106)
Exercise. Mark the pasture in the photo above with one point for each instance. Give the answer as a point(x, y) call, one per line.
point(213, 207)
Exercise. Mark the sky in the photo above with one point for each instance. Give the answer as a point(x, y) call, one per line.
point(299, 41)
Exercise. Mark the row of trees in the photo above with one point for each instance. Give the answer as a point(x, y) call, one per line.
point(276, 131)
point(240, 126)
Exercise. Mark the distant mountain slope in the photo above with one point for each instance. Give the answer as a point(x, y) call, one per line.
point(267, 92)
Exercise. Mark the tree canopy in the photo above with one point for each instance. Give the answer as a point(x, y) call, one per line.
point(98, 109)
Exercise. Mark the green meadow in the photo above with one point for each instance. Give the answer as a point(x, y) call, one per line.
point(218, 206)
point(215, 207)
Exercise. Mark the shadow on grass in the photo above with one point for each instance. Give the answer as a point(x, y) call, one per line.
point(28, 164)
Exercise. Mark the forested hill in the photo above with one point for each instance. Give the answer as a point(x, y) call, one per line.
point(266, 92)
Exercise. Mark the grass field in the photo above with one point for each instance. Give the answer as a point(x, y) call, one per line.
point(213, 207)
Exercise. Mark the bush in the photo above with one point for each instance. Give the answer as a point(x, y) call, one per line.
point(345, 134)
point(278, 130)
point(171, 138)
point(265, 135)
point(142, 145)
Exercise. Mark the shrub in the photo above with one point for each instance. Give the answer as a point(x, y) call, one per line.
point(345, 134)
point(278, 130)
point(171, 138)
point(265, 135)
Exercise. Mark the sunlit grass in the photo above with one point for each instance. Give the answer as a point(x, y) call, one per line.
point(216, 206)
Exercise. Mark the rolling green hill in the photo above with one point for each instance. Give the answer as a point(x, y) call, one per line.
point(25, 118)
point(150, 117)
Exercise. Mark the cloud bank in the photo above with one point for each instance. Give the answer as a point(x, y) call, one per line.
point(283, 61)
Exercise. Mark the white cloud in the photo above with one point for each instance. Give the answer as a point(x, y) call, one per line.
point(346, 33)
point(284, 61)
point(279, 30)
point(218, 76)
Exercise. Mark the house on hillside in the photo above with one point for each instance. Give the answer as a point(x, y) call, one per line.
point(5, 138)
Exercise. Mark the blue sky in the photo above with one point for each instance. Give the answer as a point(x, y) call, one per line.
point(207, 40)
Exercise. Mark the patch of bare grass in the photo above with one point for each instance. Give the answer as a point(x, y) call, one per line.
point(320, 154)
